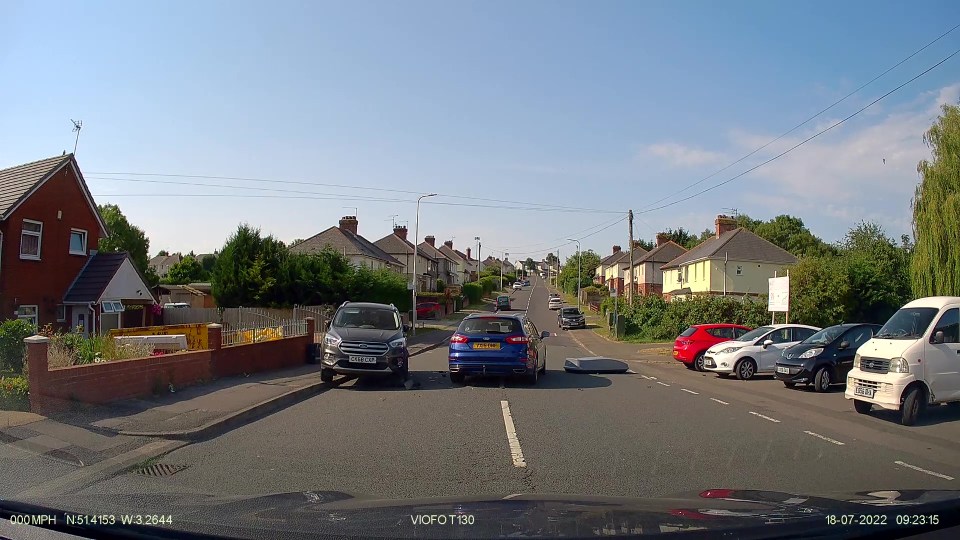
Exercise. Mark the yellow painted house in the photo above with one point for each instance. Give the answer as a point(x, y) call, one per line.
point(734, 261)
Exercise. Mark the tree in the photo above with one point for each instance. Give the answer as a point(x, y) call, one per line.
point(551, 258)
point(645, 245)
point(935, 265)
point(682, 237)
point(246, 272)
point(188, 270)
point(124, 236)
point(207, 264)
point(567, 280)
point(296, 241)
point(163, 253)
point(529, 264)
point(878, 270)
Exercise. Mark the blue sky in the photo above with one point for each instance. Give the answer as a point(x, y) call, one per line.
point(595, 105)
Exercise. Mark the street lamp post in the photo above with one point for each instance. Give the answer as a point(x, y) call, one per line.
point(578, 270)
point(416, 249)
point(503, 262)
point(477, 238)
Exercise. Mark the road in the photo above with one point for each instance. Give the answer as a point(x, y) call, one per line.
point(656, 431)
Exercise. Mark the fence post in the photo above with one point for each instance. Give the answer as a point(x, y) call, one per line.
point(37, 347)
point(215, 336)
point(311, 328)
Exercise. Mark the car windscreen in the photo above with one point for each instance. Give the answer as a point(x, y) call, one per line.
point(908, 323)
point(490, 326)
point(367, 317)
point(825, 336)
point(570, 311)
point(756, 333)
point(688, 332)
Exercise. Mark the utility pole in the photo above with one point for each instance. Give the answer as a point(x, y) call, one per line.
point(77, 125)
point(630, 226)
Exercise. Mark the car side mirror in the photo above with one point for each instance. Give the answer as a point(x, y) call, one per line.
point(767, 343)
point(938, 337)
point(844, 345)
point(406, 327)
point(544, 334)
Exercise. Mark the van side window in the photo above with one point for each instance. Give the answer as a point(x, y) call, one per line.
point(949, 324)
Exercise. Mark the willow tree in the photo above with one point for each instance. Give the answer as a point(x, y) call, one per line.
point(935, 267)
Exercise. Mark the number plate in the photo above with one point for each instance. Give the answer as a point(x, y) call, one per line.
point(363, 359)
point(486, 346)
point(782, 369)
point(864, 391)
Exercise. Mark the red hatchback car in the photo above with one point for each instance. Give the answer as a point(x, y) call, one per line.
point(428, 310)
point(694, 341)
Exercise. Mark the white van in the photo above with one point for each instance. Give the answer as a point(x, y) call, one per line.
point(912, 362)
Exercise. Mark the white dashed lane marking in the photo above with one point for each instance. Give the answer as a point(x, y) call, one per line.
point(765, 417)
point(924, 471)
point(515, 452)
point(690, 391)
point(719, 401)
point(662, 383)
point(828, 439)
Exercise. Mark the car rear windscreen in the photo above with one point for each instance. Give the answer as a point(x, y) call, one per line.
point(490, 325)
point(688, 332)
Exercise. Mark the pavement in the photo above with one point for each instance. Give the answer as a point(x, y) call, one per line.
point(657, 430)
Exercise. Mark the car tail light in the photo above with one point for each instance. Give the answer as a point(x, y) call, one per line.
point(717, 494)
point(458, 338)
point(517, 339)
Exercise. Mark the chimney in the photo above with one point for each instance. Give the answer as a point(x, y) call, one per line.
point(349, 223)
point(662, 238)
point(430, 240)
point(636, 245)
point(616, 249)
point(469, 258)
point(725, 224)
point(449, 244)
point(400, 231)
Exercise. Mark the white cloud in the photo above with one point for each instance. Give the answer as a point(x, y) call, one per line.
point(685, 156)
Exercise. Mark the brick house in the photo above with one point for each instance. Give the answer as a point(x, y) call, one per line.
point(446, 266)
point(50, 271)
point(646, 270)
point(346, 240)
point(401, 249)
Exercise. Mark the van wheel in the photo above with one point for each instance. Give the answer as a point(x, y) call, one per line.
point(822, 380)
point(913, 402)
point(745, 369)
point(862, 407)
point(326, 375)
point(698, 362)
point(457, 378)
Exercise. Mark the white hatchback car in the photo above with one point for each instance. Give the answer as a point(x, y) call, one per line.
point(555, 303)
point(756, 351)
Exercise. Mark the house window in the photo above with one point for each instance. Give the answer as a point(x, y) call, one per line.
point(30, 236)
point(61, 313)
point(112, 306)
point(78, 242)
point(739, 270)
point(28, 313)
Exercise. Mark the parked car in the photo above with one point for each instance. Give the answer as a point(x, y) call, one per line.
point(526, 283)
point(824, 358)
point(911, 362)
point(555, 303)
point(692, 343)
point(553, 295)
point(517, 285)
point(365, 338)
point(571, 317)
point(755, 352)
point(503, 303)
point(428, 310)
point(497, 345)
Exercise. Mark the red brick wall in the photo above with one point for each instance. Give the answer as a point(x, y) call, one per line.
point(264, 356)
point(43, 283)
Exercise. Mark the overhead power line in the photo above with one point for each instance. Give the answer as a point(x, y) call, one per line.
point(805, 122)
point(560, 245)
point(558, 239)
point(808, 139)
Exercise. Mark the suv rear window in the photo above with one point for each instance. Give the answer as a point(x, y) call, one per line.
point(688, 332)
point(491, 325)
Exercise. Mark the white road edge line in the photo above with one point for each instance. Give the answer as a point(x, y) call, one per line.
point(931, 473)
point(654, 378)
point(690, 391)
point(645, 377)
point(828, 439)
point(515, 452)
point(765, 417)
point(719, 401)
point(662, 383)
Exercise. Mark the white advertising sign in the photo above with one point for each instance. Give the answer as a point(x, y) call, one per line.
point(779, 295)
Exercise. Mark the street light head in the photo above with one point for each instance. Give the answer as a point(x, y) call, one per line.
point(431, 195)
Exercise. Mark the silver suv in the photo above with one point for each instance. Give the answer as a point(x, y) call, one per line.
point(365, 338)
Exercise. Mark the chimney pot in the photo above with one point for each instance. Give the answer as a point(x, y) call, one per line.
point(725, 224)
point(349, 223)
point(430, 240)
point(469, 258)
point(400, 231)
point(616, 249)
point(449, 244)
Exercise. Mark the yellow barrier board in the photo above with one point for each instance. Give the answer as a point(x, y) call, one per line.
point(196, 333)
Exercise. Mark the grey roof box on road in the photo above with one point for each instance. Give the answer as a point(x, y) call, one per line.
point(594, 364)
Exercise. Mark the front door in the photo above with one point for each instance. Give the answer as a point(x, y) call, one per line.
point(943, 359)
point(81, 316)
point(781, 337)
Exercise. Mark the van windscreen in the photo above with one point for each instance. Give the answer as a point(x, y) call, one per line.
point(908, 323)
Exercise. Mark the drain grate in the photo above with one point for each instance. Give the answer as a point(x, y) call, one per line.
point(160, 469)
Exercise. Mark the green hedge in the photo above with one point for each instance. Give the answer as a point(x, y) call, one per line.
point(12, 348)
point(651, 317)
point(473, 292)
point(14, 394)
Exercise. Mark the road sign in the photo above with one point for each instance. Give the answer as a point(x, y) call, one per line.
point(778, 298)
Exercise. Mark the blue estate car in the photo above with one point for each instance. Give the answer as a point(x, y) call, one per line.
point(497, 344)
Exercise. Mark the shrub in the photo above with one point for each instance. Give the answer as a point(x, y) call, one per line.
point(12, 348)
point(14, 394)
point(473, 291)
point(651, 317)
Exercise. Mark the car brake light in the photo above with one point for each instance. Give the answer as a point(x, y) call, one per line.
point(458, 338)
point(717, 494)
point(517, 339)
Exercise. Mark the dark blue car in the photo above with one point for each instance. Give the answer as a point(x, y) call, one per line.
point(488, 344)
